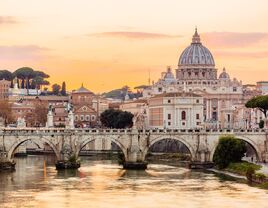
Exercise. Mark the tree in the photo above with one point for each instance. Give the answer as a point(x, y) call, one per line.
point(7, 75)
point(259, 102)
point(25, 74)
point(229, 149)
point(41, 74)
point(116, 119)
point(38, 82)
point(38, 117)
point(5, 111)
point(30, 78)
point(56, 89)
point(63, 89)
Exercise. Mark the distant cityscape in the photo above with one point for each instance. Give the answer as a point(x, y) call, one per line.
point(195, 97)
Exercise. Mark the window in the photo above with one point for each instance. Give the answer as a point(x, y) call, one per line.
point(169, 101)
point(93, 118)
point(76, 118)
point(82, 118)
point(228, 117)
point(214, 116)
point(169, 123)
point(169, 116)
point(183, 115)
point(197, 116)
point(87, 117)
point(234, 89)
point(197, 101)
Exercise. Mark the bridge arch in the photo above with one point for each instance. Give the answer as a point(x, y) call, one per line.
point(34, 140)
point(183, 141)
point(91, 139)
point(245, 139)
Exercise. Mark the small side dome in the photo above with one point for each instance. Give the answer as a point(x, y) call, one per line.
point(224, 74)
point(169, 74)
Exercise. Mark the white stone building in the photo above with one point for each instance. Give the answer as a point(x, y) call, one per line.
point(197, 73)
point(176, 111)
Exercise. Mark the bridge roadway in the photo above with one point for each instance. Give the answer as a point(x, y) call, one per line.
point(133, 143)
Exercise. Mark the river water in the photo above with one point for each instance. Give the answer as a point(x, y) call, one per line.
point(103, 183)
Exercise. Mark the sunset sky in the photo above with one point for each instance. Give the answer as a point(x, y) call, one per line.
point(106, 44)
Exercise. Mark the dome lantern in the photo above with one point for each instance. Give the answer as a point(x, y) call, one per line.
point(196, 37)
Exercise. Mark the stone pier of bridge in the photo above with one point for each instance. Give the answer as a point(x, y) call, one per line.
point(134, 144)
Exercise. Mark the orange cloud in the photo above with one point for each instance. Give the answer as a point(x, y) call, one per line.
point(133, 35)
point(233, 39)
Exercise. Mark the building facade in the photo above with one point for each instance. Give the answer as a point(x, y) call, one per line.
point(4, 87)
point(176, 111)
point(262, 86)
point(85, 115)
point(196, 73)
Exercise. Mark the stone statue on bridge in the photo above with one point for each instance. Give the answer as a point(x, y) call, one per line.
point(50, 122)
point(2, 122)
point(21, 122)
point(139, 121)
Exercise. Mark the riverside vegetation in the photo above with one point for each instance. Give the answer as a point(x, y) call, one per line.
point(228, 157)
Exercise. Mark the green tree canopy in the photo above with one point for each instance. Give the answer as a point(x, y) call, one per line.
point(41, 74)
point(7, 75)
point(141, 87)
point(229, 149)
point(116, 119)
point(63, 89)
point(259, 102)
point(56, 89)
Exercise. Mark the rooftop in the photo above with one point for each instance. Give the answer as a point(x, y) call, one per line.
point(178, 94)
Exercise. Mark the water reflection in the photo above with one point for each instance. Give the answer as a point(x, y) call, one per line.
point(36, 183)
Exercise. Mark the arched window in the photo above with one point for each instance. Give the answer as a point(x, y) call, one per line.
point(81, 118)
point(93, 118)
point(183, 115)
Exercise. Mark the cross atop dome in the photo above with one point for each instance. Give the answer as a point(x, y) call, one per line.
point(196, 37)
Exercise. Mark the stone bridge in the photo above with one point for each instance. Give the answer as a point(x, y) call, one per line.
point(133, 143)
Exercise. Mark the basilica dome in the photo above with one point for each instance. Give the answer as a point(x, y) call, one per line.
point(196, 54)
point(224, 75)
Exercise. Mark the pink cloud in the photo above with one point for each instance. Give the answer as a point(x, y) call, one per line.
point(233, 39)
point(21, 53)
point(133, 35)
point(240, 54)
point(8, 20)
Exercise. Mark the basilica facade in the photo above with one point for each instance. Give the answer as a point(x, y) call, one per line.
point(223, 98)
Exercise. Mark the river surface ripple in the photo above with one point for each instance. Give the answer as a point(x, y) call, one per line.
point(104, 184)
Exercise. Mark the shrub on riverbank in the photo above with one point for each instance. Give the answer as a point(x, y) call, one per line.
point(229, 149)
point(264, 185)
point(242, 168)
